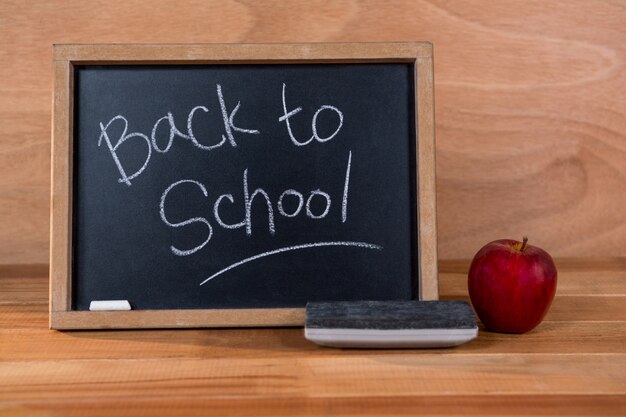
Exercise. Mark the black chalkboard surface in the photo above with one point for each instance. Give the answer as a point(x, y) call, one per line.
point(257, 186)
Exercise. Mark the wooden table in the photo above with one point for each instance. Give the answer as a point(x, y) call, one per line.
point(574, 363)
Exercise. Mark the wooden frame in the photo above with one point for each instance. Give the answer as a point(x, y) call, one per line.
point(66, 56)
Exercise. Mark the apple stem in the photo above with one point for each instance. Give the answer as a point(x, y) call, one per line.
point(524, 241)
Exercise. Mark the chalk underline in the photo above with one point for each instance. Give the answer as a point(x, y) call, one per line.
point(363, 245)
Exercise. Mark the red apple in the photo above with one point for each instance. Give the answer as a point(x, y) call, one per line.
point(511, 285)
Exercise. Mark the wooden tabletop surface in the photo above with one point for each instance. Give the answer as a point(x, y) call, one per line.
point(574, 363)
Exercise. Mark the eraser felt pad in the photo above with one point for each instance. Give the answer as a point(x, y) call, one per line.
point(390, 324)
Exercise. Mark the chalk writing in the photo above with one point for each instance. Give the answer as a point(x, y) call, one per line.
point(308, 204)
point(282, 211)
point(346, 184)
point(177, 251)
point(247, 200)
point(173, 132)
point(123, 138)
point(316, 204)
point(362, 245)
point(228, 119)
point(287, 115)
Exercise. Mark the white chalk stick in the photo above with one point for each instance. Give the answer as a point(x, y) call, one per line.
point(109, 305)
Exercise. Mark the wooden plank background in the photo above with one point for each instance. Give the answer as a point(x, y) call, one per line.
point(530, 104)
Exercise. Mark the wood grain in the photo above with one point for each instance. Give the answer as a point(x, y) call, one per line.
point(530, 124)
point(379, 376)
point(574, 363)
point(469, 406)
point(530, 115)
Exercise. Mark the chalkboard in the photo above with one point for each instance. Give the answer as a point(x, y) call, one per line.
point(243, 186)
